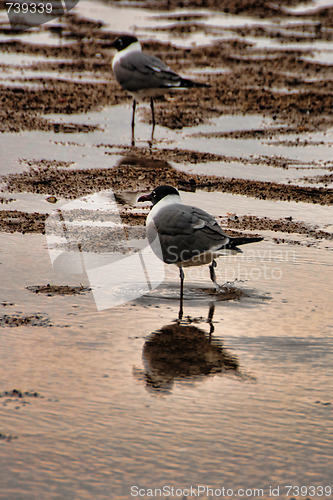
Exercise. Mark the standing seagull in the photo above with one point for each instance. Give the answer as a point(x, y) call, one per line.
point(144, 75)
point(186, 236)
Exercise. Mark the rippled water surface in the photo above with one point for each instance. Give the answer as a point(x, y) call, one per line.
point(95, 404)
point(119, 407)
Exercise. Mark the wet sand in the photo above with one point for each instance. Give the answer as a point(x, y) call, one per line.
point(283, 83)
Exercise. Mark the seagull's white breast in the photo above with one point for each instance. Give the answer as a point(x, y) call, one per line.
point(169, 200)
point(134, 47)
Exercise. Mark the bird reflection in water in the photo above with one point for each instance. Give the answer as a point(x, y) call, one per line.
point(184, 352)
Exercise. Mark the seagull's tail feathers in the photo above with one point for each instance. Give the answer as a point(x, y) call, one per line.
point(234, 242)
point(185, 83)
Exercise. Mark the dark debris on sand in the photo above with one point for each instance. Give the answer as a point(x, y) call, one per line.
point(51, 290)
point(16, 320)
point(13, 221)
point(7, 437)
point(136, 173)
point(285, 84)
point(251, 80)
point(16, 393)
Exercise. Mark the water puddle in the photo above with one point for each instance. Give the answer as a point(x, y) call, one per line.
point(308, 7)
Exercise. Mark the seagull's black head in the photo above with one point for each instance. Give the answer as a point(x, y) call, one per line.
point(159, 193)
point(124, 41)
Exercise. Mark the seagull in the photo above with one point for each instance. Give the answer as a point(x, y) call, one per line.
point(144, 75)
point(187, 236)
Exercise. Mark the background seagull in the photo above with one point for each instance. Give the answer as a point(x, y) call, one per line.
point(187, 236)
point(144, 75)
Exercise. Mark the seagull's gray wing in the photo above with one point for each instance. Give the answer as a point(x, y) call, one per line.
point(139, 71)
point(185, 232)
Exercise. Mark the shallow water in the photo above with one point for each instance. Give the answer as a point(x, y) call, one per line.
point(308, 151)
point(236, 395)
point(109, 419)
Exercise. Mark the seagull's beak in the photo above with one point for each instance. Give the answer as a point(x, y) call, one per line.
point(107, 45)
point(145, 197)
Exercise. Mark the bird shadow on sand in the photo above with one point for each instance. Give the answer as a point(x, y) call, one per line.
point(185, 352)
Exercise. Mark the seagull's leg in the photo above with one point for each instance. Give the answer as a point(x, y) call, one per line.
point(181, 275)
point(133, 122)
point(213, 275)
point(150, 143)
point(133, 115)
point(152, 111)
